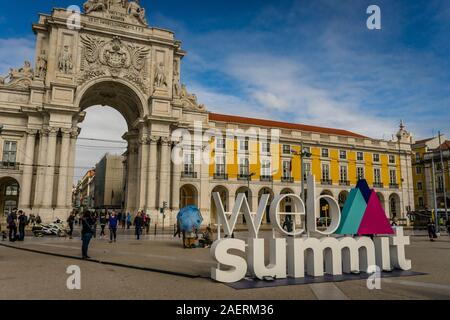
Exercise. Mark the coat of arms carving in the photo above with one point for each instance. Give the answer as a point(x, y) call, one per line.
point(114, 58)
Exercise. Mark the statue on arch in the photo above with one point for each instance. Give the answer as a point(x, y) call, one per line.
point(134, 9)
point(25, 72)
point(160, 76)
point(95, 5)
point(41, 66)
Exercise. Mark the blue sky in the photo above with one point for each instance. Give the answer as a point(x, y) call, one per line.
point(307, 61)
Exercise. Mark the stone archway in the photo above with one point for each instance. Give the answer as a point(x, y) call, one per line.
point(394, 206)
point(268, 191)
point(188, 196)
point(9, 195)
point(342, 198)
point(324, 209)
point(224, 195)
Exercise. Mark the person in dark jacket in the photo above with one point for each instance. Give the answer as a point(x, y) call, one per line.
point(87, 232)
point(23, 221)
point(70, 222)
point(12, 225)
point(113, 223)
point(103, 222)
point(431, 227)
point(138, 223)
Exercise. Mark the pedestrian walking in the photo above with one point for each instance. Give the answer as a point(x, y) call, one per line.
point(38, 219)
point(138, 223)
point(113, 221)
point(147, 222)
point(119, 218)
point(103, 222)
point(70, 222)
point(447, 224)
point(87, 231)
point(129, 220)
point(23, 221)
point(11, 221)
point(431, 230)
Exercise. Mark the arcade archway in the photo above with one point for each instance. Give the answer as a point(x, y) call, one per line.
point(224, 196)
point(188, 196)
point(9, 195)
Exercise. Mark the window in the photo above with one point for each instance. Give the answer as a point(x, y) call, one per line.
point(243, 144)
point(287, 169)
point(244, 169)
point(377, 175)
point(419, 186)
point(418, 157)
point(12, 190)
point(220, 143)
point(343, 173)
point(360, 156)
point(220, 165)
point(343, 155)
point(376, 157)
point(391, 159)
point(325, 153)
point(265, 147)
point(188, 163)
point(421, 203)
point(360, 173)
point(307, 170)
point(286, 149)
point(9, 153)
point(266, 168)
point(325, 172)
point(418, 170)
point(393, 177)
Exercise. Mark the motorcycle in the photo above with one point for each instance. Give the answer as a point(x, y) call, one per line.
point(53, 229)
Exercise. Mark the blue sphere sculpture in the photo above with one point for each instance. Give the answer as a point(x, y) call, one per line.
point(189, 219)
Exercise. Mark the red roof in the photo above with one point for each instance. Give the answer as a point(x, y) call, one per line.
point(445, 146)
point(281, 125)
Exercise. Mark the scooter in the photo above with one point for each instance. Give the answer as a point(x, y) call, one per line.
point(52, 229)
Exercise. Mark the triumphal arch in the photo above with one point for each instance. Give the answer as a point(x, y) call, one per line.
point(106, 54)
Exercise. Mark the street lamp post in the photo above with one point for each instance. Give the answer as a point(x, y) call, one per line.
point(303, 154)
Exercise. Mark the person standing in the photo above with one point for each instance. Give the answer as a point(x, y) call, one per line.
point(113, 221)
point(87, 231)
point(138, 223)
point(70, 222)
point(129, 222)
point(103, 222)
point(431, 230)
point(38, 219)
point(11, 220)
point(447, 224)
point(119, 218)
point(23, 220)
point(147, 222)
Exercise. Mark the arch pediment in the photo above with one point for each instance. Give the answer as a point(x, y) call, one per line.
point(118, 10)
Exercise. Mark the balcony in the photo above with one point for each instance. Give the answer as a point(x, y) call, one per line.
point(266, 178)
point(242, 176)
point(220, 176)
point(326, 182)
point(13, 166)
point(189, 175)
point(378, 185)
point(394, 186)
point(344, 183)
point(287, 179)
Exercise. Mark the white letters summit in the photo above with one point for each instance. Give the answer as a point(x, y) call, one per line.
point(301, 252)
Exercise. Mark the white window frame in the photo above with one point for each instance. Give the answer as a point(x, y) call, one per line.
point(357, 156)
point(358, 176)
point(376, 177)
point(322, 152)
point(376, 160)
point(327, 171)
point(342, 152)
point(343, 173)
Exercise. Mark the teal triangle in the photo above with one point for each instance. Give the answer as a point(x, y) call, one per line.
point(353, 212)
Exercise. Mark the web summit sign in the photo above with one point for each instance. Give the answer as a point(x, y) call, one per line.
point(343, 247)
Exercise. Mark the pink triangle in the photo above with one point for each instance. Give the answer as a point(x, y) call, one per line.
point(374, 220)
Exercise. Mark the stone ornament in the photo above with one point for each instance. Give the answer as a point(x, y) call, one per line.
point(41, 66)
point(160, 76)
point(115, 58)
point(189, 101)
point(19, 78)
point(132, 10)
point(65, 61)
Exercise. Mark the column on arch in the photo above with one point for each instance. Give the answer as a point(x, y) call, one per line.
point(152, 176)
point(27, 177)
point(71, 164)
point(64, 164)
point(132, 173)
point(41, 166)
point(50, 170)
point(143, 168)
point(164, 180)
